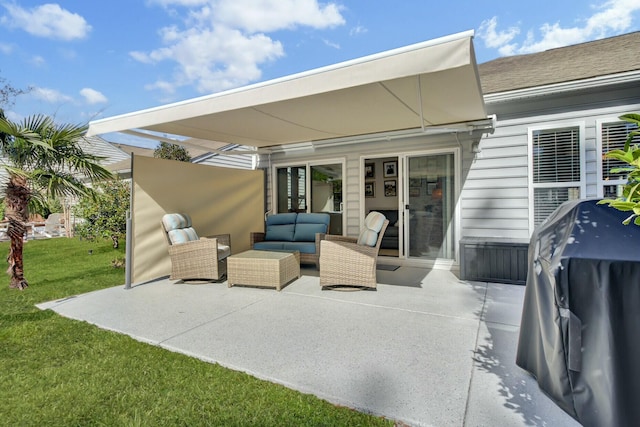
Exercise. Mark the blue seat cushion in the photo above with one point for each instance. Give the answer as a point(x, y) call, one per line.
point(265, 246)
point(302, 247)
point(282, 232)
point(313, 218)
point(307, 232)
point(283, 218)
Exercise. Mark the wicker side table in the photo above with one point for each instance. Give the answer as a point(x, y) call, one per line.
point(263, 268)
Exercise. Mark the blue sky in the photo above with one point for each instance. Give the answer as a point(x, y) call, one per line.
point(87, 59)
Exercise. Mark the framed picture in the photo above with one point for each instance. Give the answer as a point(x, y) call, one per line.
point(414, 191)
point(390, 169)
point(369, 170)
point(430, 187)
point(369, 189)
point(390, 188)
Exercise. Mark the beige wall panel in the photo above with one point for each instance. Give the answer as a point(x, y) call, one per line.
point(219, 200)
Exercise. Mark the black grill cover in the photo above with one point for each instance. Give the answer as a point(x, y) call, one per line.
point(580, 329)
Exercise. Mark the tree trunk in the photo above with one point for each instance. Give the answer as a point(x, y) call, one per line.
point(16, 211)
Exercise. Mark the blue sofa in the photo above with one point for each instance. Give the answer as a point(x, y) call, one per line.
point(293, 232)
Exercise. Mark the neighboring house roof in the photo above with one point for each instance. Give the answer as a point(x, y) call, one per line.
point(197, 156)
point(613, 55)
point(100, 147)
point(125, 164)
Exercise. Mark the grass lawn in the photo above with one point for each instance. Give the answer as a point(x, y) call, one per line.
point(57, 371)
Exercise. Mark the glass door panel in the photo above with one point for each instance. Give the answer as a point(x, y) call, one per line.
point(326, 193)
point(430, 207)
point(292, 189)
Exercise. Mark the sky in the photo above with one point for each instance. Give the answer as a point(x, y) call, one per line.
point(84, 60)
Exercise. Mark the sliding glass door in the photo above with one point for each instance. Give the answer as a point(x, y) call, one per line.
point(430, 206)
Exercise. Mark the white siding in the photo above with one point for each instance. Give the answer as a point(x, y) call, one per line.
point(494, 200)
point(495, 197)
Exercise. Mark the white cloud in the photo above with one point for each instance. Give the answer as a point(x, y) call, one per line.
point(213, 60)
point(6, 48)
point(13, 116)
point(49, 95)
point(331, 44)
point(47, 20)
point(92, 96)
point(609, 18)
point(500, 40)
point(37, 60)
point(357, 30)
point(273, 15)
point(223, 43)
point(185, 3)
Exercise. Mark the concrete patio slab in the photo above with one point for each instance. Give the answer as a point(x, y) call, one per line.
point(425, 348)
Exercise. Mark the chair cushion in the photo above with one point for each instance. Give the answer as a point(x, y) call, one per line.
point(182, 235)
point(280, 232)
point(374, 221)
point(223, 251)
point(176, 221)
point(372, 225)
point(367, 237)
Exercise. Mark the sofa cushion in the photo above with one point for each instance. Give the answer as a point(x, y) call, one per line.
point(307, 232)
point(302, 247)
point(182, 235)
point(265, 246)
point(313, 218)
point(283, 232)
point(283, 218)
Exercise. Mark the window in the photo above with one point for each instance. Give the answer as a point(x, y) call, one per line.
point(556, 169)
point(613, 136)
point(292, 189)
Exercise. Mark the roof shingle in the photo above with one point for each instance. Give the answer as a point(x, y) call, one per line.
point(608, 56)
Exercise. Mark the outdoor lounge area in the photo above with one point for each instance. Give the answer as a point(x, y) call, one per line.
point(425, 349)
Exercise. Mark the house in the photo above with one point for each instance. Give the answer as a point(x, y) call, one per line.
point(464, 160)
point(557, 113)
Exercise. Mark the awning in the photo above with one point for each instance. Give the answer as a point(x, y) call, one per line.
point(434, 83)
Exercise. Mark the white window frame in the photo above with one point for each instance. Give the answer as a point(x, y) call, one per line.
point(600, 153)
point(307, 164)
point(582, 184)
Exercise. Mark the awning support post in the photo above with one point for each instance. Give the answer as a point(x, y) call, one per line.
point(420, 103)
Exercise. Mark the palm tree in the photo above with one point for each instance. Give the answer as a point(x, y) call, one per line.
point(43, 161)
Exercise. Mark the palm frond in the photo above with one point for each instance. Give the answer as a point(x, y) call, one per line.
point(50, 156)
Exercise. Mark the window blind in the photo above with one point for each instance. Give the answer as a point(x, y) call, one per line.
point(555, 169)
point(614, 135)
point(546, 200)
point(556, 155)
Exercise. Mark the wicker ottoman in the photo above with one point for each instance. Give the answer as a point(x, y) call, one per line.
point(263, 268)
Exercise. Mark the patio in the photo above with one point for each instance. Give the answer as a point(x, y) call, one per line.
point(424, 349)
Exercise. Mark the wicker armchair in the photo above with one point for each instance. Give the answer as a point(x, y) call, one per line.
point(346, 263)
point(194, 258)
